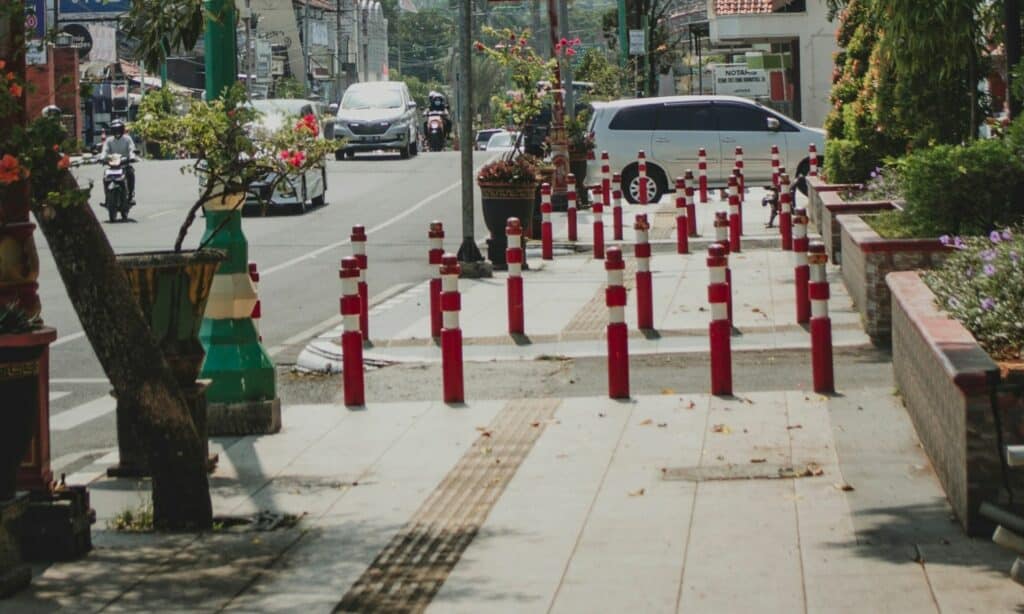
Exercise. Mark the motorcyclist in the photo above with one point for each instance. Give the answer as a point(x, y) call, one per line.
point(438, 105)
point(120, 143)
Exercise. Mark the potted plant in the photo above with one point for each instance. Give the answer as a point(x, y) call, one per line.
point(508, 185)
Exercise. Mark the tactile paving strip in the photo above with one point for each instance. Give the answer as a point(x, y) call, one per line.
point(414, 565)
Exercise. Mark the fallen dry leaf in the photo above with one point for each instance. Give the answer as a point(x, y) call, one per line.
point(667, 391)
point(721, 428)
point(815, 469)
point(535, 423)
point(600, 415)
point(794, 426)
point(646, 422)
point(843, 486)
point(637, 493)
point(758, 460)
point(662, 425)
point(691, 405)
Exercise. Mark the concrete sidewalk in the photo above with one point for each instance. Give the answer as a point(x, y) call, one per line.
point(565, 306)
point(769, 502)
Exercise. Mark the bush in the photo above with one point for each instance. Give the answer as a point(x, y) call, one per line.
point(962, 189)
point(979, 286)
point(849, 161)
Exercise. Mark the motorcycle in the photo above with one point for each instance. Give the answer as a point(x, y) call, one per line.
point(435, 132)
point(115, 187)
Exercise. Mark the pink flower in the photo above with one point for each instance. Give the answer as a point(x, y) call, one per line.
point(570, 51)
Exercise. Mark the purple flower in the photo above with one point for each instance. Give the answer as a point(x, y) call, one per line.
point(959, 243)
point(1007, 235)
point(1015, 257)
point(874, 174)
point(989, 269)
point(988, 304)
point(945, 240)
point(994, 236)
point(988, 255)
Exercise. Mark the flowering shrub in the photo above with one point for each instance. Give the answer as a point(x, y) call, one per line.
point(519, 170)
point(525, 69)
point(980, 286)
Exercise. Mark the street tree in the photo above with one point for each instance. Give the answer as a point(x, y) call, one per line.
point(663, 45)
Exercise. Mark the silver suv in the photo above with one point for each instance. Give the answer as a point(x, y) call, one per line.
point(377, 115)
point(670, 130)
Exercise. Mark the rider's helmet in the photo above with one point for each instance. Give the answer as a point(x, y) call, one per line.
point(51, 110)
point(117, 128)
point(437, 101)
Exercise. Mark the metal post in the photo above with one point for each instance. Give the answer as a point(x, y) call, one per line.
point(473, 263)
point(623, 38)
point(567, 78)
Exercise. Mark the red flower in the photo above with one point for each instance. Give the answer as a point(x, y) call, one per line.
point(3, 63)
point(15, 90)
point(11, 170)
point(478, 46)
point(64, 163)
point(285, 154)
point(309, 124)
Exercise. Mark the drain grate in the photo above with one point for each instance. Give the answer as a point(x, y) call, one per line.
point(414, 565)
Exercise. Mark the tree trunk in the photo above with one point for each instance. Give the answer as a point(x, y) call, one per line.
point(133, 362)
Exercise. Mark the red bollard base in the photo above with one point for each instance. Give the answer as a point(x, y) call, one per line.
point(435, 307)
point(515, 305)
point(682, 232)
point(803, 303)
point(644, 301)
point(734, 233)
point(451, 365)
point(618, 361)
point(821, 355)
point(352, 368)
point(691, 219)
point(720, 337)
point(786, 230)
point(547, 250)
point(571, 218)
point(617, 223)
point(599, 240)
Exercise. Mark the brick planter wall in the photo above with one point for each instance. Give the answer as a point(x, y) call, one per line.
point(832, 207)
point(816, 188)
point(946, 379)
point(868, 258)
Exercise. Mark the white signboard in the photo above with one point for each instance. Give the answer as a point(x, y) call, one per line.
point(637, 44)
point(738, 80)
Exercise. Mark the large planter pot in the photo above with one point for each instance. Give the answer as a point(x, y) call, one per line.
point(501, 201)
point(816, 188)
point(868, 258)
point(23, 371)
point(171, 289)
point(832, 206)
point(948, 384)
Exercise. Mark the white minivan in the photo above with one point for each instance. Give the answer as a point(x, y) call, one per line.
point(671, 130)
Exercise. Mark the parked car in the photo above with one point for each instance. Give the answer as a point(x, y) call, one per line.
point(482, 136)
point(377, 115)
point(297, 193)
point(670, 130)
point(502, 141)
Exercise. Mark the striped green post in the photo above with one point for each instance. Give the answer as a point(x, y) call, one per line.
point(242, 398)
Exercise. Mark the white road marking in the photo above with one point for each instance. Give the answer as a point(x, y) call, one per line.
point(57, 395)
point(161, 214)
point(68, 339)
point(67, 420)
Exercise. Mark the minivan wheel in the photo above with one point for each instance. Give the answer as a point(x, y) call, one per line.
point(656, 183)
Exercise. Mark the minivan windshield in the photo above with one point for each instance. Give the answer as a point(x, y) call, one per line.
point(355, 100)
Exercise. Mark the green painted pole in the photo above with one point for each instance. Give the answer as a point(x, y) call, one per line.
point(623, 37)
point(242, 397)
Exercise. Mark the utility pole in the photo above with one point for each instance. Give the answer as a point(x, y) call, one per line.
point(623, 38)
point(472, 261)
point(305, 46)
point(1011, 15)
point(557, 136)
point(339, 62)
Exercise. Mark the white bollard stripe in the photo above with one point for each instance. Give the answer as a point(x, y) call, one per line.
point(800, 231)
point(800, 258)
point(350, 323)
point(819, 309)
point(450, 319)
point(719, 311)
point(616, 315)
point(436, 243)
point(641, 236)
point(515, 269)
point(545, 217)
point(716, 274)
point(818, 273)
point(597, 216)
point(615, 278)
point(350, 286)
point(449, 283)
point(358, 248)
point(643, 265)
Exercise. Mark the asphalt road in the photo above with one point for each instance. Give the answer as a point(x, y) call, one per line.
point(298, 257)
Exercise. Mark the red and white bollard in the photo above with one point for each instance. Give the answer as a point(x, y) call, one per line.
point(618, 336)
point(682, 223)
point(358, 239)
point(702, 172)
point(547, 251)
point(821, 324)
point(812, 154)
point(734, 215)
point(436, 237)
point(451, 334)
point(514, 257)
point(606, 180)
point(641, 169)
point(739, 167)
point(775, 166)
point(720, 328)
point(722, 238)
point(801, 272)
point(351, 337)
point(617, 208)
point(257, 309)
point(739, 196)
point(644, 289)
point(785, 212)
point(691, 207)
point(570, 199)
point(597, 208)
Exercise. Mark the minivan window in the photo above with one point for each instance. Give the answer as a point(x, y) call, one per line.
point(736, 118)
point(634, 118)
point(372, 99)
point(686, 117)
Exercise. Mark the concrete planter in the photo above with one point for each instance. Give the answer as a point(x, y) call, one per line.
point(833, 206)
point(868, 258)
point(816, 188)
point(947, 383)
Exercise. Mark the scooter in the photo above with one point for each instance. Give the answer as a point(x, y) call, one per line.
point(115, 187)
point(435, 132)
